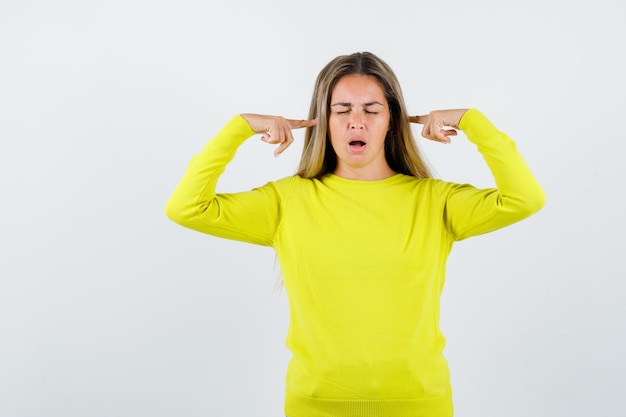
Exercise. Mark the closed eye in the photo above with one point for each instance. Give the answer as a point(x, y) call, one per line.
point(348, 111)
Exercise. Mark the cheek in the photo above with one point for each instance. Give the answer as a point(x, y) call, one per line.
point(333, 141)
point(386, 125)
point(386, 121)
point(381, 125)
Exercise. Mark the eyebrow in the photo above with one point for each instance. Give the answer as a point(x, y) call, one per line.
point(348, 104)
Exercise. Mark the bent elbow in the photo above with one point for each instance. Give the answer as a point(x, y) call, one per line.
point(189, 215)
point(175, 212)
point(539, 201)
point(531, 203)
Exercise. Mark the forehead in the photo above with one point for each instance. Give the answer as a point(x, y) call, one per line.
point(356, 88)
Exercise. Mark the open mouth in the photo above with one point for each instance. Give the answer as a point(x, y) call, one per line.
point(357, 144)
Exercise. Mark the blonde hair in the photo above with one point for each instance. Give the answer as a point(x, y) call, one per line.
point(319, 158)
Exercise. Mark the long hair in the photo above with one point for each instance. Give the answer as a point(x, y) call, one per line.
point(319, 158)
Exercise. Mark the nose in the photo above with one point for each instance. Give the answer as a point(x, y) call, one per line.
point(356, 122)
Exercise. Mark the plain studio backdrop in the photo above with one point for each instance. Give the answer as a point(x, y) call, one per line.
point(109, 309)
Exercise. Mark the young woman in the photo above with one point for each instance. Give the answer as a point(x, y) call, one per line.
point(362, 234)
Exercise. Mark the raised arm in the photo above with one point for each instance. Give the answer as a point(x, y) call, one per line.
point(249, 216)
point(470, 211)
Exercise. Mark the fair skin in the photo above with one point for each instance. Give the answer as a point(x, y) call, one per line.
point(276, 129)
point(358, 124)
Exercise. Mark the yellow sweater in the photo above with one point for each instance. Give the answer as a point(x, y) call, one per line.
point(363, 264)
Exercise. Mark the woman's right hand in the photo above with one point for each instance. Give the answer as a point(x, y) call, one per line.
point(276, 129)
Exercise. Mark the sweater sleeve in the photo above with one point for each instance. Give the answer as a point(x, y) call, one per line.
point(470, 211)
point(250, 216)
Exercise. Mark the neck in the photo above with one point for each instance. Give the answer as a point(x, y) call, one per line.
point(364, 174)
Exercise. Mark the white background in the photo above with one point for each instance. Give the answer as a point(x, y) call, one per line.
point(109, 309)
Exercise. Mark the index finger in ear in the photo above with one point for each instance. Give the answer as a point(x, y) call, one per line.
point(299, 124)
point(418, 119)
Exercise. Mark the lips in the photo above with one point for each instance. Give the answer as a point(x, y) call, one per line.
point(357, 146)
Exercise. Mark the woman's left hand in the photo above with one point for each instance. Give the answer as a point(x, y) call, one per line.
point(435, 124)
